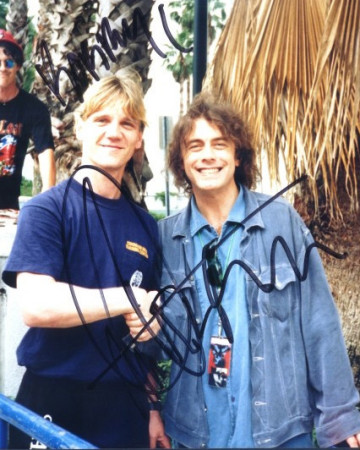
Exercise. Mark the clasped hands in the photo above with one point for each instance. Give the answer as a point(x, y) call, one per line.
point(145, 323)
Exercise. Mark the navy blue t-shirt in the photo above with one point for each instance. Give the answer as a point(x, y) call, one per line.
point(96, 243)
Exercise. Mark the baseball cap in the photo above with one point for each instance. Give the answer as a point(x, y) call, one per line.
point(8, 41)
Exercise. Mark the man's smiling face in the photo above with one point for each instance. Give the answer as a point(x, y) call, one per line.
point(209, 159)
point(109, 139)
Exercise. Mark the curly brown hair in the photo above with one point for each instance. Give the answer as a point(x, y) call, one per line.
point(229, 122)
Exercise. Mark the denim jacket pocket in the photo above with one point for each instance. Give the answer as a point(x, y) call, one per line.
point(279, 299)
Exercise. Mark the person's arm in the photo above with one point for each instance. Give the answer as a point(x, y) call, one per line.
point(47, 168)
point(157, 436)
point(48, 303)
point(330, 376)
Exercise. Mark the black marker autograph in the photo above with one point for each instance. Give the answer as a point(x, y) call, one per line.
point(193, 345)
point(110, 40)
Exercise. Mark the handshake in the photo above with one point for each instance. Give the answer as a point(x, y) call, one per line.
point(142, 320)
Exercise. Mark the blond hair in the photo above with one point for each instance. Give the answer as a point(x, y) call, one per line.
point(123, 89)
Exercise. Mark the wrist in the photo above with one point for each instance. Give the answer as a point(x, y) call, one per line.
point(123, 300)
point(155, 406)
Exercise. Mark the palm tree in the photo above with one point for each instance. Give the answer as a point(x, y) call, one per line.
point(66, 29)
point(62, 27)
point(293, 69)
point(17, 24)
point(126, 18)
point(16, 20)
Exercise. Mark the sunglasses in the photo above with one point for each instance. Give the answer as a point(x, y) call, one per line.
point(215, 277)
point(9, 63)
point(214, 269)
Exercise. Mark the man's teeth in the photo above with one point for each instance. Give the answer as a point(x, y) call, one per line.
point(209, 171)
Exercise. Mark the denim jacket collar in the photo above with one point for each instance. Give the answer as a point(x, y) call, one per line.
point(181, 228)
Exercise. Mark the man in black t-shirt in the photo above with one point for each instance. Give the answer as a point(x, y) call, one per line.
point(22, 116)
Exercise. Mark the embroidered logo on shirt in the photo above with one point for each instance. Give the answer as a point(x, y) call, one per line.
point(137, 248)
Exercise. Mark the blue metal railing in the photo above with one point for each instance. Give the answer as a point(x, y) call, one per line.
point(35, 426)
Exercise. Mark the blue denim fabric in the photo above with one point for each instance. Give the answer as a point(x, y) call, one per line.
point(302, 441)
point(301, 376)
point(228, 409)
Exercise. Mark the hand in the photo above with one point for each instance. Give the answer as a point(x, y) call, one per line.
point(354, 441)
point(137, 323)
point(157, 436)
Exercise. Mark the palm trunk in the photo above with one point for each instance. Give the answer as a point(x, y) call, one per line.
point(64, 27)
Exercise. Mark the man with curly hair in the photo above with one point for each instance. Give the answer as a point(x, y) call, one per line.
point(258, 357)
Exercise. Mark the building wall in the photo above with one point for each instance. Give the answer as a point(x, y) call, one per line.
point(11, 325)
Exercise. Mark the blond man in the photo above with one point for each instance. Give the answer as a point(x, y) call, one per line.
point(84, 259)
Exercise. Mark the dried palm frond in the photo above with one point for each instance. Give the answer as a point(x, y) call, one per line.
point(16, 20)
point(63, 25)
point(332, 150)
point(292, 69)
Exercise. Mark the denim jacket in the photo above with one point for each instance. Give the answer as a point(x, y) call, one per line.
point(301, 375)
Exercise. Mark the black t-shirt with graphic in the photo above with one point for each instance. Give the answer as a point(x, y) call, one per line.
point(21, 118)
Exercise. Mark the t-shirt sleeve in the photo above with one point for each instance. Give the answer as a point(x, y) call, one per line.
point(41, 128)
point(37, 247)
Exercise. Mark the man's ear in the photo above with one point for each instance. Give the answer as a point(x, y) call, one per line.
point(237, 162)
point(139, 143)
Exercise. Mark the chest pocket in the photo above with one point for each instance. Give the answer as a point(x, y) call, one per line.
point(278, 298)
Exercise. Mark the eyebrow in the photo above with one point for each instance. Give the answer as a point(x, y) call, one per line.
point(108, 114)
point(214, 140)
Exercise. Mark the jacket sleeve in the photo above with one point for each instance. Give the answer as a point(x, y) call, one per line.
point(331, 379)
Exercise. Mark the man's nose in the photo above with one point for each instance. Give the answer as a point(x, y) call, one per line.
point(208, 151)
point(114, 129)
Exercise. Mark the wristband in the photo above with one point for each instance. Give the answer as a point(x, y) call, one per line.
point(155, 406)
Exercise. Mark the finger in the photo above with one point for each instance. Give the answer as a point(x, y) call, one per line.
point(152, 442)
point(134, 324)
point(357, 439)
point(352, 441)
point(143, 332)
point(165, 442)
point(130, 316)
point(143, 337)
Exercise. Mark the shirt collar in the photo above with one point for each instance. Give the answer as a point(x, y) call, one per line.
point(236, 215)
